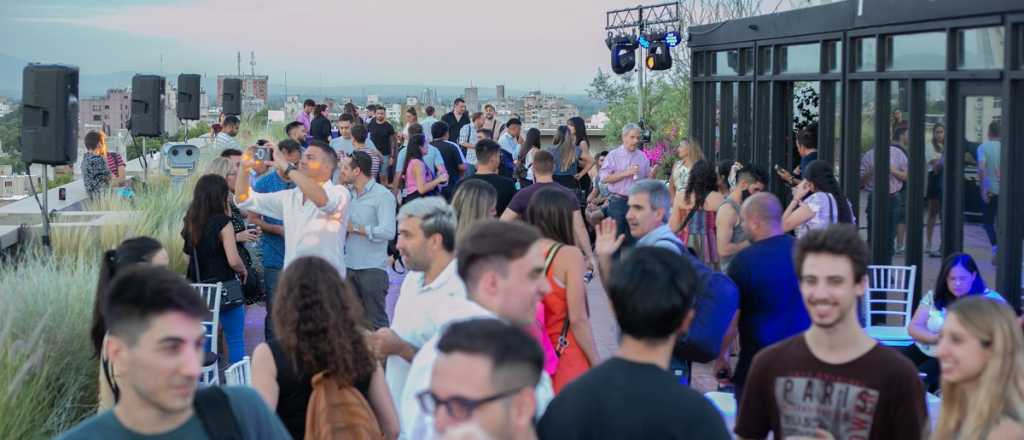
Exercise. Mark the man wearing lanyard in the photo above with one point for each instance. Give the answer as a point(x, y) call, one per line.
point(622, 168)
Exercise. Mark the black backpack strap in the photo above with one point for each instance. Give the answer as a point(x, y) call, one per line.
point(214, 412)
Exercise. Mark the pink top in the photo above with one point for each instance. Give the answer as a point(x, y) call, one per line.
point(410, 178)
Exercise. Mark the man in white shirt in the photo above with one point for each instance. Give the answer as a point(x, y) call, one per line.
point(313, 212)
point(426, 239)
point(502, 265)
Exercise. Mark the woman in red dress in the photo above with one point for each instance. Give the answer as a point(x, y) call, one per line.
point(566, 319)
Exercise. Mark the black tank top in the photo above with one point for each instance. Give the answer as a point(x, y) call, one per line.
point(294, 389)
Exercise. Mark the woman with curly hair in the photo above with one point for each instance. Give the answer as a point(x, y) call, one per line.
point(317, 324)
point(693, 212)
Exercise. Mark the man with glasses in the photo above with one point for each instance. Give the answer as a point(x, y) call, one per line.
point(485, 375)
point(503, 270)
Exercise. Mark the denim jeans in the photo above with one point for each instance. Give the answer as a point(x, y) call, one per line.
point(989, 211)
point(617, 208)
point(233, 323)
point(269, 285)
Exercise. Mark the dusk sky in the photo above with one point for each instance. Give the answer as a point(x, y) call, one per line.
point(554, 45)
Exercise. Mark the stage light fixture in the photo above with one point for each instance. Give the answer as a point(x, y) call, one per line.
point(658, 56)
point(623, 50)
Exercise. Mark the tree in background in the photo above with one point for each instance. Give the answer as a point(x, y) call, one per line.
point(667, 92)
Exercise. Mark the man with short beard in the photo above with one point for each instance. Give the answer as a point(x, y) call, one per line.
point(731, 236)
point(503, 271)
point(426, 240)
point(155, 338)
point(833, 380)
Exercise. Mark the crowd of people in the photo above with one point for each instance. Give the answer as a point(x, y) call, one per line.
point(491, 336)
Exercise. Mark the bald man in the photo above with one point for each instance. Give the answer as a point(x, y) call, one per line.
point(771, 308)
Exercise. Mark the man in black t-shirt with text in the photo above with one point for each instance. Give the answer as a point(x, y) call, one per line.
point(632, 395)
point(832, 381)
point(488, 156)
point(384, 138)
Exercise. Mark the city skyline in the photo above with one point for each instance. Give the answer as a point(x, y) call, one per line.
point(553, 46)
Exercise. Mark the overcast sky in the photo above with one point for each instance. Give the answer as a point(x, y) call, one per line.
point(555, 45)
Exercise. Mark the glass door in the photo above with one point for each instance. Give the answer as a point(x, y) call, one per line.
point(978, 128)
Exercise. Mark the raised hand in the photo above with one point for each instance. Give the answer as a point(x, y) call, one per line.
point(607, 239)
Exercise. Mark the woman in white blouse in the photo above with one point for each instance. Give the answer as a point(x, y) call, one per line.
point(817, 201)
point(689, 153)
point(958, 278)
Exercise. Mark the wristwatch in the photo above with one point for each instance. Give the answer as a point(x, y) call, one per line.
point(291, 167)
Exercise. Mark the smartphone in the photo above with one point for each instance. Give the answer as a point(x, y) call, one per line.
point(263, 154)
point(777, 168)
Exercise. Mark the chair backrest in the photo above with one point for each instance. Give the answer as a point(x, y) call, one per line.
point(239, 373)
point(890, 293)
point(209, 376)
point(211, 296)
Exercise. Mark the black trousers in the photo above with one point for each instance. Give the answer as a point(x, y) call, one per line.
point(925, 364)
point(372, 286)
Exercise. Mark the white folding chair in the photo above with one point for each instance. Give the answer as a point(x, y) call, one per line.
point(890, 296)
point(239, 373)
point(211, 296)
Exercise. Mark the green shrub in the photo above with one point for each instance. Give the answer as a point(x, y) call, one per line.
point(48, 375)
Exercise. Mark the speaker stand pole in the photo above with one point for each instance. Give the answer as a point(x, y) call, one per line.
point(46, 207)
point(145, 163)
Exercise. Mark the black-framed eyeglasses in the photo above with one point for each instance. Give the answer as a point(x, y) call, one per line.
point(458, 407)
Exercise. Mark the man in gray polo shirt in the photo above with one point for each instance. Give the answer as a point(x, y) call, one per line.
point(371, 224)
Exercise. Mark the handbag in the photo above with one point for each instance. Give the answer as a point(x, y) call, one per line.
point(563, 340)
point(231, 294)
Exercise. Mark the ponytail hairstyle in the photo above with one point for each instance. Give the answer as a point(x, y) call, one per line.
point(131, 251)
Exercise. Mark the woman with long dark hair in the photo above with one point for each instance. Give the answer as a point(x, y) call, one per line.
point(578, 130)
point(565, 306)
point(693, 212)
point(419, 178)
point(531, 145)
point(818, 201)
point(320, 126)
point(138, 250)
point(317, 321)
point(569, 159)
point(213, 256)
point(981, 351)
point(933, 159)
point(958, 278)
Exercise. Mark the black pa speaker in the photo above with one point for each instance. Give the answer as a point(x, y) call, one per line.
point(49, 117)
point(231, 96)
point(188, 97)
point(147, 105)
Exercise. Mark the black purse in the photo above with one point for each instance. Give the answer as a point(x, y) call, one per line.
point(231, 294)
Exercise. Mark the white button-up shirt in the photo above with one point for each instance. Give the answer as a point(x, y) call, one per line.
point(308, 229)
point(419, 314)
point(415, 423)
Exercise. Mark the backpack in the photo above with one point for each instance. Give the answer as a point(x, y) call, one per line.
point(716, 303)
point(337, 411)
point(214, 412)
point(507, 167)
